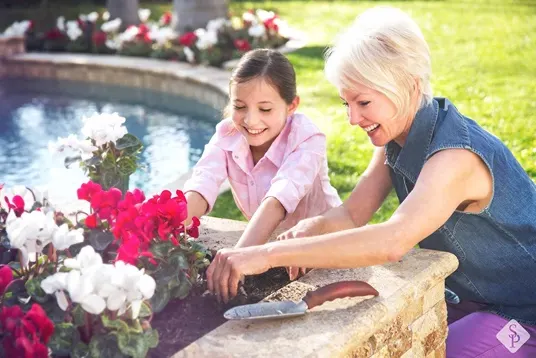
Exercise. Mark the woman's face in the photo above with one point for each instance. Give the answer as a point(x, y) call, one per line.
point(373, 112)
point(259, 112)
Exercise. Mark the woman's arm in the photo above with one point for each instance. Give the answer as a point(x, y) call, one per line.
point(448, 178)
point(366, 198)
point(263, 223)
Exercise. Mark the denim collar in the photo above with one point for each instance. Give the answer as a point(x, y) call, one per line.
point(409, 159)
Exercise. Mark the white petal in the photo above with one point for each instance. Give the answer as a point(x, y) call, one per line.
point(71, 263)
point(147, 286)
point(115, 301)
point(93, 304)
point(62, 300)
point(55, 282)
point(135, 307)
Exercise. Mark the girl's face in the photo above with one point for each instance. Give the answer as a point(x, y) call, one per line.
point(259, 112)
point(373, 112)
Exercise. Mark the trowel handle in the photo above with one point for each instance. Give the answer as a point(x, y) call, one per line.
point(338, 290)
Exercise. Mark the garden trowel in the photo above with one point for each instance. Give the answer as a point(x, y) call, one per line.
point(284, 309)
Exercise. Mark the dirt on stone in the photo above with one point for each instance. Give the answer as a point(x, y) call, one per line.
point(184, 321)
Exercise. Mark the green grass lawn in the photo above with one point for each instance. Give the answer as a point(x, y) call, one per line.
point(484, 60)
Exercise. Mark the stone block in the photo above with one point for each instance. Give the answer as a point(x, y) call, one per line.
point(433, 296)
point(430, 330)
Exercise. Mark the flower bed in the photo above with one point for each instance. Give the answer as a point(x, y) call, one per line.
point(223, 39)
point(88, 283)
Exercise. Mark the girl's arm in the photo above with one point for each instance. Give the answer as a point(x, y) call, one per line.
point(197, 205)
point(263, 223)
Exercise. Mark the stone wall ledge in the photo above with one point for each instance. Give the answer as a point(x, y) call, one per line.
point(407, 319)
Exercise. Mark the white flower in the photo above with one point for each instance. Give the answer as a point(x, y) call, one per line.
point(206, 39)
point(73, 30)
point(87, 260)
point(162, 35)
point(249, 17)
point(93, 17)
point(190, 56)
point(80, 288)
point(216, 24)
point(264, 15)
point(113, 44)
point(104, 128)
point(63, 238)
point(111, 26)
point(84, 147)
point(129, 34)
point(282, 28)
point(56, 282)
point(30, 232)
point(146, 285)
point(106, 16)
point(17, 29)
point(60, 23)
point(144, 14)
point(257, 30)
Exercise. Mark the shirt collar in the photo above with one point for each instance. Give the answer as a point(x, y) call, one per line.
point(276, 152)
point(410, 158)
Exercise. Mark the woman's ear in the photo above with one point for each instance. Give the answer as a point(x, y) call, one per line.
point(293, 106)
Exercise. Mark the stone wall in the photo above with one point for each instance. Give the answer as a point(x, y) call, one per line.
point(407, 319)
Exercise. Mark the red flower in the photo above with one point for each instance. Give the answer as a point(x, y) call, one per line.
point(143, 29)
point(188, 39)
point(242, 45)
point(25, 335)
point(6, 276)
point(270, 24)
point(166, 18)
point(193, 228)
point(17, 206)
point(54, 34)
point(87, 190)
point(91, 221)
point(105, 203)
point(131, 198)
point(99, 38)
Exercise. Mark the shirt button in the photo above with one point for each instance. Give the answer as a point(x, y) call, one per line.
point(236, 156)
point(252, 183)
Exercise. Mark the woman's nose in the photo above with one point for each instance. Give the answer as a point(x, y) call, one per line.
point(354, 116)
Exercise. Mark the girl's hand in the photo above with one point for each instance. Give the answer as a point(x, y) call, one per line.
point(231, 265)
point(305, 228)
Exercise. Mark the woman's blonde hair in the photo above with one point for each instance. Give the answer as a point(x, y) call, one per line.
point(384, 49)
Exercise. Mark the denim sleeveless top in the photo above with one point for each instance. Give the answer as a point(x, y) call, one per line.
point(496, 247)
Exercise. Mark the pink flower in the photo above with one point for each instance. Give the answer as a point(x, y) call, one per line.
point(87, 190)
point(17, 206)
point(166, 18)
point(6, 276)
point(188, 39)
point(242, 45)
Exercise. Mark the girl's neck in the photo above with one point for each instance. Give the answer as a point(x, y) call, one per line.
point(258, 152)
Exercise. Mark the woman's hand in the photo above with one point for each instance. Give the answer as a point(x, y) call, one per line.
point(305, 228)
point(231, 265)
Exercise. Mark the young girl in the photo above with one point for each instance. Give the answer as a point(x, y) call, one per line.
point(274, 158)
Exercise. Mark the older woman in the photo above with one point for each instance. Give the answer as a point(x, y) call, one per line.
point(461, 190)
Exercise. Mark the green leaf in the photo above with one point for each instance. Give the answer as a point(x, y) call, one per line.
point(114, 324)
point(126, 166)
point(183, 289)
point(105, 346)
point(178, 261)
point(15, 293)
point(62, 340)
point(93, 161)
point(160, 298)
point(79, 317)
point(68, 161)
point(161, 249)
point(133, 345)
point(151, 338)
point(15, 265)
point(100, 240)
point(164, 274)
point(128, 141)
point(135, 327)
point(81, 350)
point(145, 310)
point(33, 287)
point(110, 179)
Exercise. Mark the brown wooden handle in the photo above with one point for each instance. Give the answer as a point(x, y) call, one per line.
point(338, 290)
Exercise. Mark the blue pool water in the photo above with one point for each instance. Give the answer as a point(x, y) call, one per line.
point(34, 113)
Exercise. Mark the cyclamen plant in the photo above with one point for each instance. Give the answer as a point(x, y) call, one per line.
point(108, 153)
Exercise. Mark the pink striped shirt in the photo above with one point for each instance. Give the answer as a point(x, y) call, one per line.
point(294, 171)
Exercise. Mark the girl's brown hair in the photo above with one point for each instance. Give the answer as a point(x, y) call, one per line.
point(272, 66)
